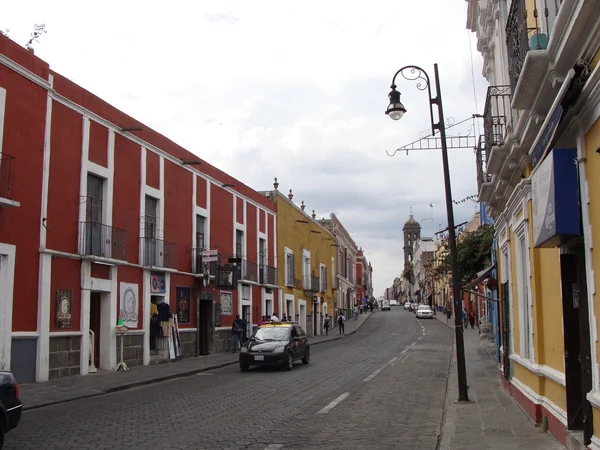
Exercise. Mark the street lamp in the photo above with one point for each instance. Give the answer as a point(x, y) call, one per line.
point(396, 110)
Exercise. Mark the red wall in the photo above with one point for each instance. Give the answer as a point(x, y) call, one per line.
point(239, 208)
point(153, 170)
point(134, 275)
point(66, 274)
point(65, 170)
point(24, 124)
point(201, 192)
point(98, 150)
point(221, 223)
point(271, 245)
point(178, 213)
point(127, 191)
point(251, 244)
point(261, 221)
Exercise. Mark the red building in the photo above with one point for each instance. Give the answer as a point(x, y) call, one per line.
point(103, 219)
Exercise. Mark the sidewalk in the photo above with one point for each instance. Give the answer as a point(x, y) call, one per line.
point(491, 419)
point(60, 390)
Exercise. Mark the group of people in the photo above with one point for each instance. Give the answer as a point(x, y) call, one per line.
point(468, 318)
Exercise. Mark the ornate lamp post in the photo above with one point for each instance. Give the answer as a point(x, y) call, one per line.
point(396, 110)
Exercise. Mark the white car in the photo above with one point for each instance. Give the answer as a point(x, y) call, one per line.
point(393, 303)
point(407, 306)
point(385, 305)
point(424, 312)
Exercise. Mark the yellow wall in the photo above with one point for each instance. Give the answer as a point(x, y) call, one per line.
point(555, 393)
point(310, 236)
point(514, 293)
point(592, 168)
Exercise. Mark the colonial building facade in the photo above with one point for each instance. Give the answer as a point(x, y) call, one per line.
point(307, 263)
point(112, 232)
point(537, 175)
point(346, 264)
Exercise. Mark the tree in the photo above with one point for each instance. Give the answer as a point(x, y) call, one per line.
point(473, 252)
point(408, 274)
point(39, 29)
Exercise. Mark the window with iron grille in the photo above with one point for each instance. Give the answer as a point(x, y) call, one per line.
point(323, 278)
point(291, 269)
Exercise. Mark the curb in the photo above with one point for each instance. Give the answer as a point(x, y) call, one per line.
point(187, 373)
point(446, 397)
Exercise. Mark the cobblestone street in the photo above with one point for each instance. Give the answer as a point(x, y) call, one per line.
point(383, 387)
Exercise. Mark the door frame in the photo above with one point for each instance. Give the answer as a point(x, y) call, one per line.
point(7, 283)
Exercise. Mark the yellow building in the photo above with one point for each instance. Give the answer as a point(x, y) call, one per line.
point(306, 261)
point(537, 175)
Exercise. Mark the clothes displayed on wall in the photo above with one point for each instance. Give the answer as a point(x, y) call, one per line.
point(164, 329)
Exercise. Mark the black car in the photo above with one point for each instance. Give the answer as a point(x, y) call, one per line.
point(279, 343)
point(10, 405)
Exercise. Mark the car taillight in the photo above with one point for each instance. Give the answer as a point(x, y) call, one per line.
point(16, 389)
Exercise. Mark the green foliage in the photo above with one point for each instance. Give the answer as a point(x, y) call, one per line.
point(408, 274)
point(473, 253)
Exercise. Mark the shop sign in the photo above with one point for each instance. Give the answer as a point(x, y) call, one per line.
point(64, 302)
point(226, 304)
point(183, 304)
point(555, 198)
point(128, 310)
point(546, 137)
point(157, 284)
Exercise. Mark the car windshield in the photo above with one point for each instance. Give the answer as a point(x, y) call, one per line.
point(273, 334)
point(424, 307)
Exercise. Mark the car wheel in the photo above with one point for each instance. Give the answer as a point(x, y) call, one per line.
point(306, 358)
point(289, 365)
point(244, 367)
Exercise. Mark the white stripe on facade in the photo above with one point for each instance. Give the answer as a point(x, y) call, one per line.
point(43, 315)
point(7, 281)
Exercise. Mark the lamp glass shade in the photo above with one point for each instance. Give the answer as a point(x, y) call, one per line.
point(395, 109)
point(396, 113)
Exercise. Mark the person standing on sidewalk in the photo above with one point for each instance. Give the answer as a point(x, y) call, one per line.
point(355, 312)
point(237, 329)
point(326, 324)
point(341, 322)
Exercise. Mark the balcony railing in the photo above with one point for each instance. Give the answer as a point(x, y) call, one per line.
point(97, 239)
point(267, 275)
point(7, 174)
point(248, 270)
point(311, 284)
point(199, 262)
point(157, 253)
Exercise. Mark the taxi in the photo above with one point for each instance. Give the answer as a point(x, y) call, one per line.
point(275, 344)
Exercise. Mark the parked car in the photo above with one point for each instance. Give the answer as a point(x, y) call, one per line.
point(393, 303)
point(385, 305)
point(10, 404)
point(275, 344)
point(424, 312)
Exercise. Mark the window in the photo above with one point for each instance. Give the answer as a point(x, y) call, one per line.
point(152, 253)
point(322, 278)
point(290, 269)
point(306, 268)
point(523, 294)
point(333, 275)
point(94, 242)
point(200, 221)
point(239, 244)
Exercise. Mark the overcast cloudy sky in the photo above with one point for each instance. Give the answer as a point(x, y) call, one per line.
point(293, 90)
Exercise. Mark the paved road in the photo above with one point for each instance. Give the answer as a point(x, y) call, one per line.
point(382, 387)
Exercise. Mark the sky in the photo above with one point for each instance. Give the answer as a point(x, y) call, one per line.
point(297, 91)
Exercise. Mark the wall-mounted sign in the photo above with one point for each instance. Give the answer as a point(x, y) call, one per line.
point(546, 137)
point(226, 304)
point(555, 198)
point(225, 276)
point(209, 255)
point(64, 319)
point(158, 284)
point(128, 310)
point(183, 304)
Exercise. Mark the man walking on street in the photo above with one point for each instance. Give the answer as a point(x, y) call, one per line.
point(237, 329)
point(341, 322)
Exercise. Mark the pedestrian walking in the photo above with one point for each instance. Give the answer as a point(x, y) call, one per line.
point(237, 329)
point(472, 318)
point(341, 321)
point(465, 319)
point(326, 324)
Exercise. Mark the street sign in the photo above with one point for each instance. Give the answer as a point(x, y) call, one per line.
point(210, 253)
point(209, 258)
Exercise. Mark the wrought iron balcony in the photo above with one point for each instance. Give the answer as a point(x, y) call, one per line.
point(7, 179)
point(248, 270)
point(267, 275)
point(157, 252)
point(97, 239)
point(200, 263)
point(311, 284)
point(523, 35)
